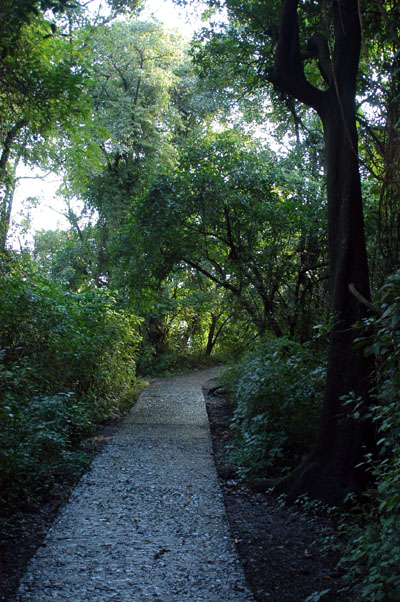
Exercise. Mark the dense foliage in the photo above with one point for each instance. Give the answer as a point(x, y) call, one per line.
point(67, 363)
point(230, 210)
point(373, 554)
point(276, 391)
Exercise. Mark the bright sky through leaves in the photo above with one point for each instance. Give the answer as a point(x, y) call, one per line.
point(47, 213)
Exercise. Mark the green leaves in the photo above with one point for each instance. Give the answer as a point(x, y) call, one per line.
point(67, 361)
point(373, 551)
point(230, 211)
point(277, 394)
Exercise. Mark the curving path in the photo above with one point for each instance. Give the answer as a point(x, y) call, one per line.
point(147, 523)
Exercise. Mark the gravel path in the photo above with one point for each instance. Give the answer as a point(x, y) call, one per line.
point(147, 523)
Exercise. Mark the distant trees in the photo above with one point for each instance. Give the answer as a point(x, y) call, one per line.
point(167, 196)
point(128, 128)
point(230, 211)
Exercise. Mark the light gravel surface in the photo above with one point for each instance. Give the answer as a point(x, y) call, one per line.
point(147, 523)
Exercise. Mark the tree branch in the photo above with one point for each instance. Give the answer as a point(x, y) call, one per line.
point(288, 72)
point(371, 306)
point(318, 47)
point(11, 135)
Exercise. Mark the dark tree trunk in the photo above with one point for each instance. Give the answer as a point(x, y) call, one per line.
point(5, 211)
point(157, 332)
point(211, 332)
point(331, 471)
point(7, 180)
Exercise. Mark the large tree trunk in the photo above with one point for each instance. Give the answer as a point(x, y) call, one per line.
point(333, 471)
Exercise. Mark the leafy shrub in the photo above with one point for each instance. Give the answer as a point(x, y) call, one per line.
point(67, 361)
point(276, 391)
point(36, 439)
point(53, 340)
point(372, 558)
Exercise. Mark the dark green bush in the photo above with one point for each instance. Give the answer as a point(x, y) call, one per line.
point(36, 446)
point(372, 558)
point(277, 392)
point(67, 362)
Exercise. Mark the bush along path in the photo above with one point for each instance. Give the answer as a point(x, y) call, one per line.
point(283, 549)
point(147, 522)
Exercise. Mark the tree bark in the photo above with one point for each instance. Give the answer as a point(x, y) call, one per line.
point(213, 332)
point(332, 471)
point(7, 180)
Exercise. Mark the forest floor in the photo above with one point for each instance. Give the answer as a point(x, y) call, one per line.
point(280, 548)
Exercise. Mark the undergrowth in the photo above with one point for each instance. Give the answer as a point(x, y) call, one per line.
point(67, 363)
point(372, 557)
point(276, 390)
